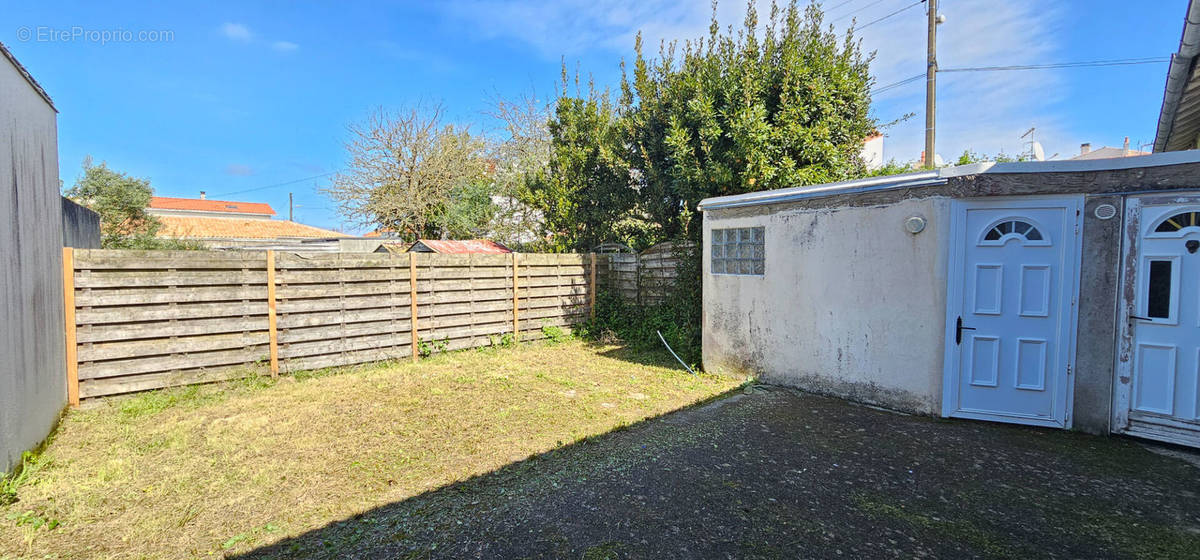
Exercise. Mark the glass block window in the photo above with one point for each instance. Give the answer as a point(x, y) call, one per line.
point(738, 251)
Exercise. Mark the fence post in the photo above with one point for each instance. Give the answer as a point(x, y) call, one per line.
point(592, 290)
point(412, 301)
point(516, 301)
point(271, 320)
point(68, 263)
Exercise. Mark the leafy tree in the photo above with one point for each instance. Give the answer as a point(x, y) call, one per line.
point(738, 113)
point(468, 212)
point(403, 170)
point(969, 157)
point(584, 192)
point(121, 201)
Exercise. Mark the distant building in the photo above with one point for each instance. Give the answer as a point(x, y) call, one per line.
point(1105, 152)
point(226, 224)
point(872, 151)
point(462, 246)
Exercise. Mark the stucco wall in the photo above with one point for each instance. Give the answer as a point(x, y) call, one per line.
point(1095, 343)
point(850, 304)
point(32, 376)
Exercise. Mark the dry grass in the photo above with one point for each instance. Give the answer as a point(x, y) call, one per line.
point(202, 471)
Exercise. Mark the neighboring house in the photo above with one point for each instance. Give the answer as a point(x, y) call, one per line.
point(1086, 152)
point(872, 151)
point(458, 246)
point(223, 224)
point(33, 383)
point(1051, 293)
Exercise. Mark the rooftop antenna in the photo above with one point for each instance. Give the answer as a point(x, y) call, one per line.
point(1036, 152)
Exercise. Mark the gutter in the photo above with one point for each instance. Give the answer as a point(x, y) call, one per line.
point(1178, 75)
point(907, 180)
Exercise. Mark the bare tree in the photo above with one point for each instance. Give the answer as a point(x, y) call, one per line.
point(402, 168)
point(521, 153)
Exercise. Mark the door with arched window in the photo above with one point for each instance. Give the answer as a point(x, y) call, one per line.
point(1158, 382)
point(1011, 310)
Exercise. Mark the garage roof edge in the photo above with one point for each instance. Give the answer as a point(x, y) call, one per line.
point(942, 175)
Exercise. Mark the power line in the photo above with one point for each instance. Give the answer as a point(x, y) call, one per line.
point(1081, 64)
point(894, 85)
point(908, 7)
point(852, 12)
point(277, 184)
point(1084, 64)
point(839, 5)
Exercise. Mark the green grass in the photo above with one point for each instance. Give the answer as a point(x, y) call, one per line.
point(216, 469)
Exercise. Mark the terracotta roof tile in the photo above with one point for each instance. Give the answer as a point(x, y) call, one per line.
point(238, 228)
point(168, 203)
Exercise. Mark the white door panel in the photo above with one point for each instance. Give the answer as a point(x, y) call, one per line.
point(1010, 312)
point(1162, 327)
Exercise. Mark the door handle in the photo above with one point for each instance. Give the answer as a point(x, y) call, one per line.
point(1140, 318)
point(958, 329)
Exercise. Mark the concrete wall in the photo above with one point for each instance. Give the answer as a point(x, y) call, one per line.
point(1095, 346)
point(80, 226)
point(32, 370)
point(850, 304)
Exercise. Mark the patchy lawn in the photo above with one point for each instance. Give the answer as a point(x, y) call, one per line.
point(204, 471)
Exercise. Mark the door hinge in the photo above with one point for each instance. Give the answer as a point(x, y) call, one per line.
point(1068, 371)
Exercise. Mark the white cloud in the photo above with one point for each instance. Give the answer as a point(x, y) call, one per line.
point(982, 111)
point(241, 33)
point(236, 32)
point(239, 170)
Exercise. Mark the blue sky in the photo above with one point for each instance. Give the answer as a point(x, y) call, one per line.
point(246, 95)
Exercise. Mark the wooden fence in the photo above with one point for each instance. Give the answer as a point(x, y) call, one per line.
point(140, 320)
point(644, 278)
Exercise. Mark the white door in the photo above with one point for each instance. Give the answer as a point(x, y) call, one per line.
point(1162, 318)
point(1011, 310)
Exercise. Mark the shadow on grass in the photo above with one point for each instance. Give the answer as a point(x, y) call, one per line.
point(479, 511)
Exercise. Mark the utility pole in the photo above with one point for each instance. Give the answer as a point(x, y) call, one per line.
point(931, 84)
point(289, 207)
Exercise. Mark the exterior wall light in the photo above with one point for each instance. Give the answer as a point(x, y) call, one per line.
point(914, 224)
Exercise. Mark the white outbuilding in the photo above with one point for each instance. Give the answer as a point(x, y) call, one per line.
point(1062, 293)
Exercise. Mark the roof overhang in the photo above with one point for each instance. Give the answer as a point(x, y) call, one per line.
point(28, 77)
point(1179, 119)
point(942, 175)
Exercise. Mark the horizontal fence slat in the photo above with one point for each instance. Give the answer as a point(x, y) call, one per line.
point(151, 278)
point(159, 312)
point(190, 360)
point(117, 259)
point(89, 388)
point(159, 346)
point(189, 294)
point(158, 329)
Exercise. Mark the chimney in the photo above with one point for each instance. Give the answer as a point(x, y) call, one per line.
point(201, 195)
point(1085, 148)
point(1126, 147)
